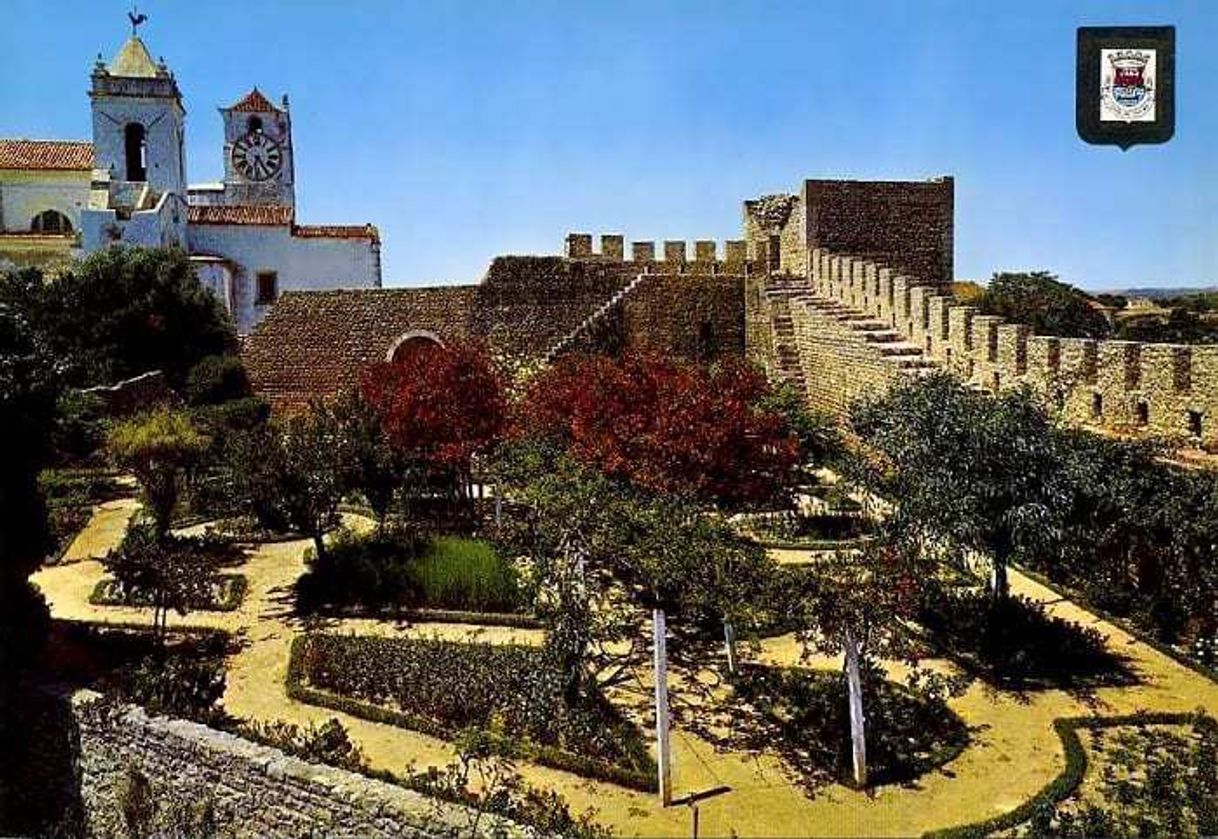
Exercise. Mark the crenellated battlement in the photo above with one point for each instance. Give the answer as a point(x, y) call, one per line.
point(707, 255)
point(1167, 390)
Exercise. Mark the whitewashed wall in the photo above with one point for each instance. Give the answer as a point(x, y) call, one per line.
point(302, 264)
point(24, 195)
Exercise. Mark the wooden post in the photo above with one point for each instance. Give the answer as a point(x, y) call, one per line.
point(663, 746)
point(498, 507)
point(854, 684)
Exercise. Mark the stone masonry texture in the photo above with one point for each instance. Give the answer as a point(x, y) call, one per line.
point(251, 790)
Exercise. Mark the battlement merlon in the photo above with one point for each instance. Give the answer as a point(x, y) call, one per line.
point(675, 253)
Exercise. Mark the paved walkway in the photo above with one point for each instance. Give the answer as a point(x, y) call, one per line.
point(1014, 751)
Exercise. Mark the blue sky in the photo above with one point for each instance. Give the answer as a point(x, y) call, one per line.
point(466, 130)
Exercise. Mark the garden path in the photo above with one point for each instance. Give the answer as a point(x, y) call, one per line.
point(1013, 754)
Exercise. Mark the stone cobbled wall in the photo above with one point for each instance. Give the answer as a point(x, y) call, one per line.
point(252, 790)
point(1162, 390)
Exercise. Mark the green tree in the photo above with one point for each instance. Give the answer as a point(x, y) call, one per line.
point(28, 389)
point(172, 573)
point(158, 448)
point(378, 470)
point(855, 605)
point(124, 311)
point(1047, 305)
point(969, 471)
point(310, 469)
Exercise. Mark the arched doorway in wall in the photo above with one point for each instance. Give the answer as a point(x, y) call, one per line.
point(51, 221)
point(411, 342)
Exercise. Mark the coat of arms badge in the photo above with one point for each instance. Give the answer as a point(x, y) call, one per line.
point(1125, 85)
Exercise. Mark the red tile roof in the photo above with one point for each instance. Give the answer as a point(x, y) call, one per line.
point(46, 154)
point(254, 102)
point(316, 343)
point(239, 214)
point(337, 231)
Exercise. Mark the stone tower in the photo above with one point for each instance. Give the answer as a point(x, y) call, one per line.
point(138, 121)
point(258, 166)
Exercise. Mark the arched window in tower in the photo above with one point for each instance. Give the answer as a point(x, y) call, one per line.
point(254, 126)
point(136, 140)
point(51, 221)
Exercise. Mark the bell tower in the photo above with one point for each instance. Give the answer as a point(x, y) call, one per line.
point(138, 121)
point(258, 164)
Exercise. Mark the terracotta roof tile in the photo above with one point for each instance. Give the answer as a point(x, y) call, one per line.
point(239, 214)
point(46, 154)
point(254, 102)
point(315, 344)
point(337, 231)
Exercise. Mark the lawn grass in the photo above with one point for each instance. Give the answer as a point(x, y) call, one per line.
point(467, 575)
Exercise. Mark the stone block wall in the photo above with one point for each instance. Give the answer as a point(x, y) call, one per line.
point(251, 790)
point(839, 365)
point(1162, 390)
point(674, 254)
point(695, 316)
point(907, 225)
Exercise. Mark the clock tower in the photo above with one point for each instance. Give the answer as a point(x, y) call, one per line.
point(258, 168)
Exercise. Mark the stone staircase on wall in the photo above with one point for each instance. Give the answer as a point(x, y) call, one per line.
point(783, 290)
point(569, 341)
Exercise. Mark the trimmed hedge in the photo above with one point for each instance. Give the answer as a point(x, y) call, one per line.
point(232, 592)
point(1067, 783)
point(552, 756)
point(514, 620)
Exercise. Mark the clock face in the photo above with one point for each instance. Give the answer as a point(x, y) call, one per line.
point(257, 156)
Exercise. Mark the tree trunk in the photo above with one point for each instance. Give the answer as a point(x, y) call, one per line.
point(319, 544)
point(729, 645)
point(1000, 586)
point(854, 687)
point(663, 746)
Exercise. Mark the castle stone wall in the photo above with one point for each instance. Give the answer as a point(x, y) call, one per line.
point(694, 316)
point(1163, 390)
point(251, 790)
point(907, 225)
point(839, 365)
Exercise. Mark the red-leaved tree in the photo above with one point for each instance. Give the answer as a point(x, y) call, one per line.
point(666, 425)
point(440, 406)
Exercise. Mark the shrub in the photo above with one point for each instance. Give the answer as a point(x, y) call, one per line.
point(370, 570)
point(444, 686)
point(185, 681)
point(457, 573)
point(80, 427)
point(328, 743)
point(1016, 642)
point(215, 379)
point(158, 448)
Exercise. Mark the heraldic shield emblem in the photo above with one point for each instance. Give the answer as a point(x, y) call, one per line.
point(1126, 85)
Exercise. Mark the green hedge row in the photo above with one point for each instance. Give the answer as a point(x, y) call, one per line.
point(508, 619)
point(550, 756)
point(232, 586)
point(1065, 784)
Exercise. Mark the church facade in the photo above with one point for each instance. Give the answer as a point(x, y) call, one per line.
point(59, 199)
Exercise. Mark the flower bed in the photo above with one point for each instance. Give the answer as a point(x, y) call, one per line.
point(1067, 783)
point(227, 594)
point(439, 687)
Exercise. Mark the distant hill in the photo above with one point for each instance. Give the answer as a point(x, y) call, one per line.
point(1164, 293)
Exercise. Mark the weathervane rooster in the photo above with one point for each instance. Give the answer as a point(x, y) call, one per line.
point(136, 19)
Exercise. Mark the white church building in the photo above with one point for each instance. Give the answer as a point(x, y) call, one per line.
point(59, 199)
